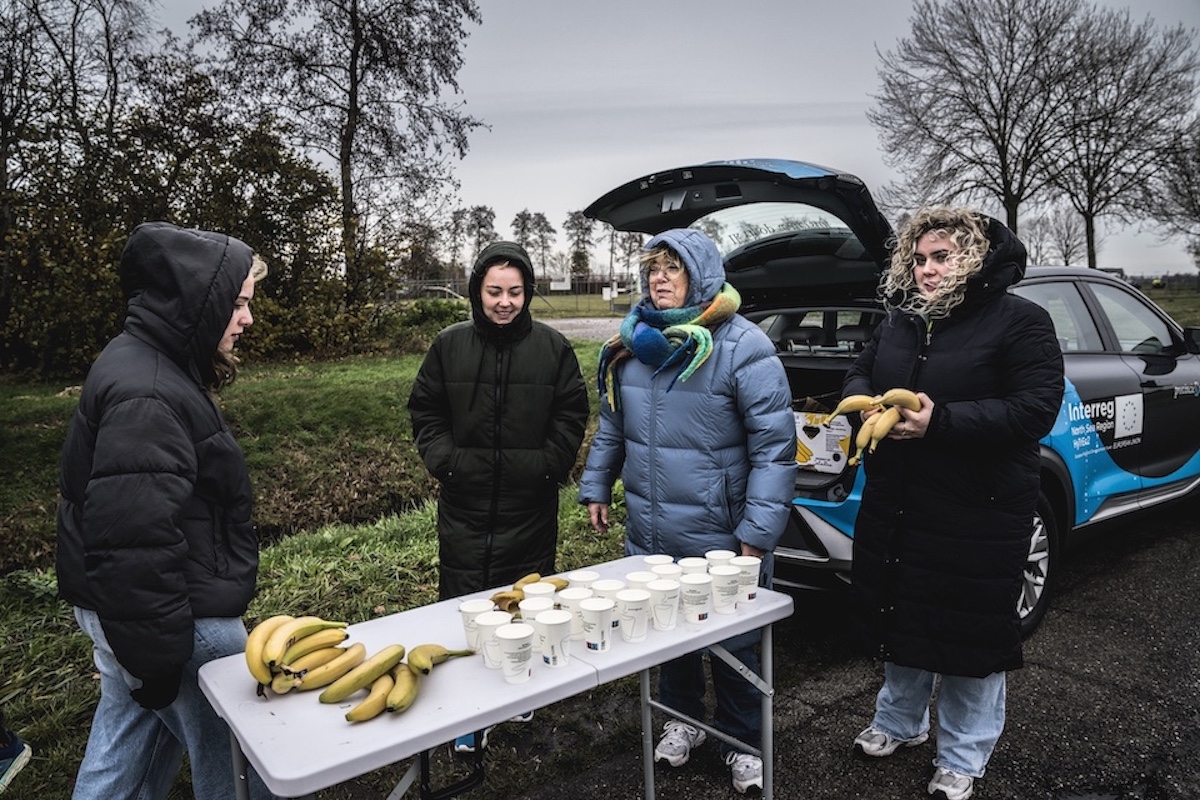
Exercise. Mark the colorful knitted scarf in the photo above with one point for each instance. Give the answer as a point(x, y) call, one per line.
point(679, 337)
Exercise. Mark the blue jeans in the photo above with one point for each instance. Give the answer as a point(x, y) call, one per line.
point(134, 753)
point(970, 714)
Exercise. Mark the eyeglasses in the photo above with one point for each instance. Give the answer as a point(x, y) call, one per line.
point(672, 271)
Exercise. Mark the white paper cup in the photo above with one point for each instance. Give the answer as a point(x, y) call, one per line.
point(639, 579)
point(488, 622)
point(670, 571)
point(692, 565)
point(516, 651)
point(656, 559)
point(556, 641)
point(597, 613)
point(750, 566)
point(539, 589)
point(726, 585)
point(608, 588)
point(633, 612)
point(470, 610)
point(569, 599)
point(531, 607)
point(714, 557)
point(582, 578)
point(695, 596)
point(664, 603)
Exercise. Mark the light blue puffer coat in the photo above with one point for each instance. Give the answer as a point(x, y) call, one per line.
point(710, 463)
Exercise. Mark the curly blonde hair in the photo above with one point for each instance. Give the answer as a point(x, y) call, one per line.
point(966, 229)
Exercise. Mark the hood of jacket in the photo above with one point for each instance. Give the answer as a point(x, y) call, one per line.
point(699, 254)
point(496, 253)
point(180, 287)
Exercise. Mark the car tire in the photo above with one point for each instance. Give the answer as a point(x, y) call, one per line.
point(1041, 568)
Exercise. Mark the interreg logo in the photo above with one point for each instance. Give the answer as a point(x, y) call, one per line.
point(1120, 415)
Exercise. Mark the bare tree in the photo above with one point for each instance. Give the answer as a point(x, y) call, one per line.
point(1173, 198)
point(1132, 86)
point(363, 82)
point(967, 104)
point(1055, 235)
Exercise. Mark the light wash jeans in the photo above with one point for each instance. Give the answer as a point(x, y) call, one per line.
point(970, 714)
point(134, 753)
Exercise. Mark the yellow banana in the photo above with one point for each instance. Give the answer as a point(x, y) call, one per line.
point(508, 600)
point(363, 675)
point(424, 657)
point(887, 420)
point(905, 398)
point(326, 674)
point(291, 632)
point(330, 637)
point(284, 682)
point(863, 438)
point(532, 577)
point(312, 660)
point(803, 452)
point(255, 643)
point(559, 583)
point(851, 403)
point(404, 691)
point(375, 702)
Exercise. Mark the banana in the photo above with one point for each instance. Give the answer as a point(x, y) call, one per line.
point(330, 637)
point(863, 438)
point(255, 643)
point(559, 583)
point(363, 675)
point(532, 577)
point(851, 403)
point(803, 452)
point(284, 683)
point(312, 660)
point(905, 398)
point(887, 420)
point(424, 657)
point(404, 690)
point(375, 702)
point(508, 600)
point(291, 632)
point(326, 674)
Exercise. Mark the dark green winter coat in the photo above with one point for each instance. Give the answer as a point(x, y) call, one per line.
point(498, 415)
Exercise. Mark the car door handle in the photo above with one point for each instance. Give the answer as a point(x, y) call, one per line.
point(1149, 384)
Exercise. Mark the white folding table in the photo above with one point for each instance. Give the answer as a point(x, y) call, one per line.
point(298, 745)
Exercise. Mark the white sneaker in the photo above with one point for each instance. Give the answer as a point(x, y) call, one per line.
point(950, 785)
point(677, 742)
point(877, 744)
point(747, 771)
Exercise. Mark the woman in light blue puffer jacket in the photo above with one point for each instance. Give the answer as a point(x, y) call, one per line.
point(696, 419)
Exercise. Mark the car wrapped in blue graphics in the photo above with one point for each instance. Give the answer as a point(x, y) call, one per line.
point(805, 246)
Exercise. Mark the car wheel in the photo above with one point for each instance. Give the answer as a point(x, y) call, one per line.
point(1040, 567)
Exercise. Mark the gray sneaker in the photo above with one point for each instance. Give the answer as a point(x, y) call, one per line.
point(677, 742)
point(747, 771)
point(877, 744)
point(950, 785)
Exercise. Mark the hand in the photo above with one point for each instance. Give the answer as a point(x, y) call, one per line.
point(751, 550)
point(157, 692)
point(913, 424)
point(599, 516)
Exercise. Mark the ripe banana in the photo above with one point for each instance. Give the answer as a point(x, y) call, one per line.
point(905, 398)
point(424, 657)
point(375, 702)
point(803, 452)
point(312, 660)
point(363, 675)
point(863, 438)
point(255, 643)
point(330, 637)
point(885, 422)
point(284, 683)
point(291, 632)
point(559, 583)
point(532, 577)
point(508, 600)
point(404, 690)
point(851, 403)
point(326, 674)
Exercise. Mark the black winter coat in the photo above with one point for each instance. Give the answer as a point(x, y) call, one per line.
point(943, 531)
point(154, 525)
point(498, 415)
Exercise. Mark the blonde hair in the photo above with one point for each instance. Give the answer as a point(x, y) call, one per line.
point(966, 230)
point(225, 365)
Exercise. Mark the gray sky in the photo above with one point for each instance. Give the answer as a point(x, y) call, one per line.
point(583, 96)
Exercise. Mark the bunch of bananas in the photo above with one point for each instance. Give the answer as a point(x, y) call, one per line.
point(281, 649)
point(391, 683)
point(510, 599)
point(876, 427)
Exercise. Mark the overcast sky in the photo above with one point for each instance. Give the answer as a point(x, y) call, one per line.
point(582, 96)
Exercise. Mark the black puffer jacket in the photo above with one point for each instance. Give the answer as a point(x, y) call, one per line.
point(498, 415)
point(154, 522)
point(943, 531)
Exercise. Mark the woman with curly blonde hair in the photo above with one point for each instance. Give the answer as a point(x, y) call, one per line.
point(943, 530)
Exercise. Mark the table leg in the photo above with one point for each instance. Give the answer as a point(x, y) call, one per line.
point(766, 660)
point(241, 769)
point(647, 736)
